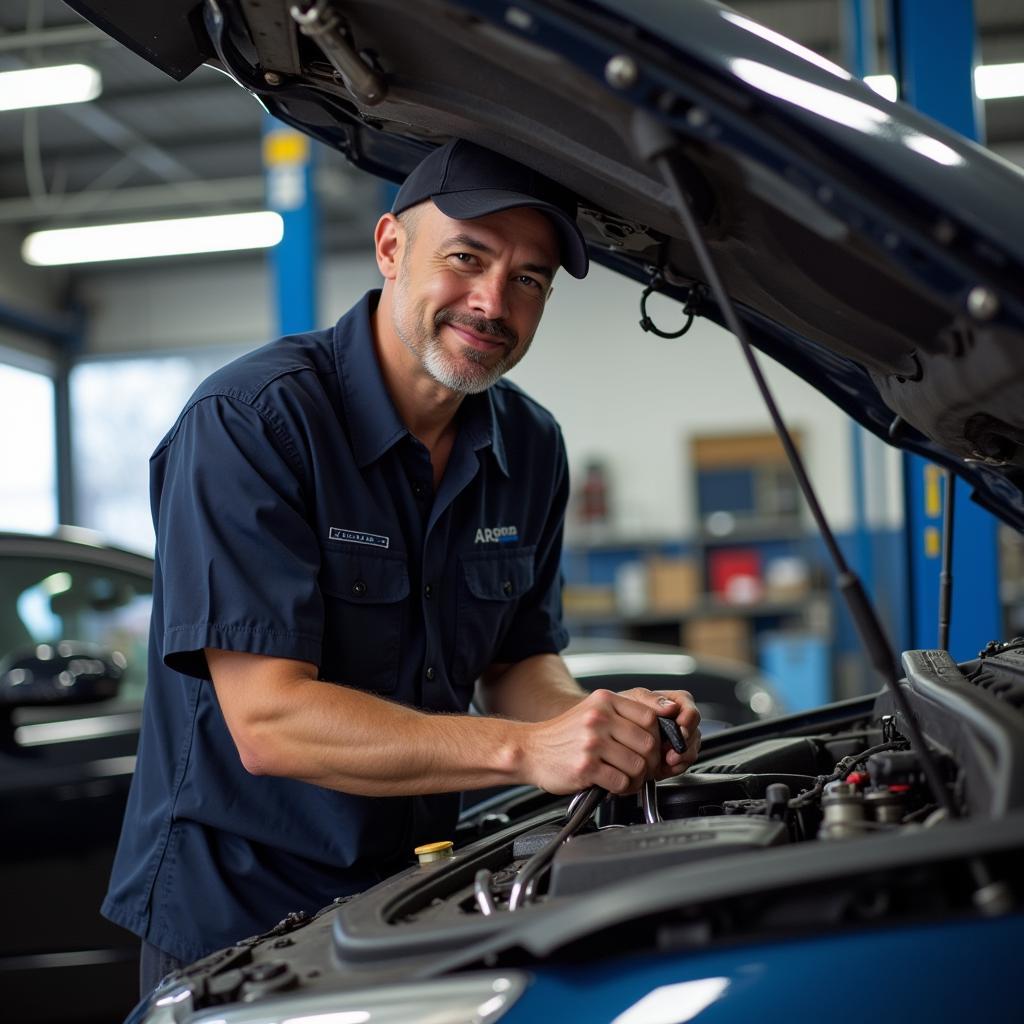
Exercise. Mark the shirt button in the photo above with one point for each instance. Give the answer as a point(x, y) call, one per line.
point(507, 588)
point(359, 588)
point(430, 673)
point(428, 591)
point(418, 490)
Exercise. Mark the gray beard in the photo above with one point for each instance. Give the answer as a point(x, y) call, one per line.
point(444, 370)
point(463, 380)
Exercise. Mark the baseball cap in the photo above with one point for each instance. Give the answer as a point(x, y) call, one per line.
point(466, 181)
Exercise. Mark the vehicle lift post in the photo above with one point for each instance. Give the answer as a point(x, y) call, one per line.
point(933, 47)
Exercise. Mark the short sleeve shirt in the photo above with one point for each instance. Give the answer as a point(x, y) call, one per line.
point(296, 517)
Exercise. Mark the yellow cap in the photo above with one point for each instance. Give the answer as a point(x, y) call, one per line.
point(435, 851)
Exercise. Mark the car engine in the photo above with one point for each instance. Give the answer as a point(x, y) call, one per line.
point(816, 821)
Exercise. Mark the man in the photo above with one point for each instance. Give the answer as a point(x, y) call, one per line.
point(353, 527)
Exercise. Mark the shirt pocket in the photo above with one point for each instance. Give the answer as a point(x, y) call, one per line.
point(491, 585)
point(365, 604)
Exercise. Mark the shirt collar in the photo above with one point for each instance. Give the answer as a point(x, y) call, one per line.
point(373, 422)
point(479, 422)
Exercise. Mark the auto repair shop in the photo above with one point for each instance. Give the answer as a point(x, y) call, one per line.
point(771, 456)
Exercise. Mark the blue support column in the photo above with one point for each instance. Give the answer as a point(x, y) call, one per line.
point(934, 56)
point(288, 164)
point(859, 36)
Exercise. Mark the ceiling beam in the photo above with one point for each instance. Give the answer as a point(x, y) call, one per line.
point(187, 145)
point(338, 191)
point(221, 192)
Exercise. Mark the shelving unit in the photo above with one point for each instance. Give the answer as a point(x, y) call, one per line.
point(749, 584)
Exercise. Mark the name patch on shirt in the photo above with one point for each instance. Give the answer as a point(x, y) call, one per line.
point(496, 535)
point(359, 537)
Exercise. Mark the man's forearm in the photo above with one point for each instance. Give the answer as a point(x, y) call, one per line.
point(532, 690)
point(287, 723)
point(375, 748)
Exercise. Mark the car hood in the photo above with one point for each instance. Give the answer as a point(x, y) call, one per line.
point(873, 252)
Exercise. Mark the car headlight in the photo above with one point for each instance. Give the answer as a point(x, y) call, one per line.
point(470, 999)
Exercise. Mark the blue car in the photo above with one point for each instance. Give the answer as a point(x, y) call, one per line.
point(858, 862)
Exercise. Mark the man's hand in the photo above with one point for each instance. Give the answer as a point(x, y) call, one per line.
point(680, 707)
point(610, 740)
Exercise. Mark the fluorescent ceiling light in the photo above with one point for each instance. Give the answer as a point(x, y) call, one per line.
point(999, 81)
point(142, 239)
point(991, 82)
point(48, 87)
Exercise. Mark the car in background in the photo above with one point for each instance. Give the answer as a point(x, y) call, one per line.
point(74, 624)
point(727, 692)
point(74, 630)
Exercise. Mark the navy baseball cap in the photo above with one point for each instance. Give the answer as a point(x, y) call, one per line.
point(466, 181)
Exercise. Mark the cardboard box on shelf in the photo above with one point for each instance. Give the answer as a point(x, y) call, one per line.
point(581, 600)
point(723, 636)
point(786, 578)
point(673, 584)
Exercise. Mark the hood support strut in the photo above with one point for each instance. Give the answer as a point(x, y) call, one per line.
point(946, 574)
point(656, 145)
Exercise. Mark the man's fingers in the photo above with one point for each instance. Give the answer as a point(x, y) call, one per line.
point(675, 764)
point(688, 716)
point(638, 741)
point(613, 780)
point(629, 763)
point(643, 706)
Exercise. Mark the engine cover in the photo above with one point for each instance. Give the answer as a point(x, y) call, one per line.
point(590, 861)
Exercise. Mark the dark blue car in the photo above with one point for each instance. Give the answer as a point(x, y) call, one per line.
point(858, 862)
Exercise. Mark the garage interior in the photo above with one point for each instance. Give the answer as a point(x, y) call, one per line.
point(684, 528)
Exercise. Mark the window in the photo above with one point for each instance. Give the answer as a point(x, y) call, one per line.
point(121, 408)
point(28, 472)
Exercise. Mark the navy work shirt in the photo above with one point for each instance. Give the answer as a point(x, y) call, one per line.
point(296, 517)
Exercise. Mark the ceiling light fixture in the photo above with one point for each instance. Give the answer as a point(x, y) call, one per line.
point(991, 82)
point(999, 81)
point(143, 239)
point(48, 87)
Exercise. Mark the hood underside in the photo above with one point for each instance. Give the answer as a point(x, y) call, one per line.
point(871, 251)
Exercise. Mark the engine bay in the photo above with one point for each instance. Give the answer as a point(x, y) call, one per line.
point(823, 820)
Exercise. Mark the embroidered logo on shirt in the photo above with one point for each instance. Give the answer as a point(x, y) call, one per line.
point(497, 535)
point(358, 537)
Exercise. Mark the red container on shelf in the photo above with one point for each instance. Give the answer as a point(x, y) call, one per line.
point(735, 574)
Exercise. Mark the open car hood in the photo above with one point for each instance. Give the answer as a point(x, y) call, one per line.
point(873, 252)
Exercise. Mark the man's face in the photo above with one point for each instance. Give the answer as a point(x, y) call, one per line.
point(469, 294)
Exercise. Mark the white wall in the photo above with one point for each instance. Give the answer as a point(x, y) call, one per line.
point(222, 304)
point(620, 394)
point(636, 400)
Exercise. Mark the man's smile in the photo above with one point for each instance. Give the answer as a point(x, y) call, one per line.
point(481, 342)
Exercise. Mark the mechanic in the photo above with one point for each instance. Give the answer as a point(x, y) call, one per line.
point(354, 526)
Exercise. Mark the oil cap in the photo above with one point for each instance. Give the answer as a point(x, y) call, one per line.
point(444, 850)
